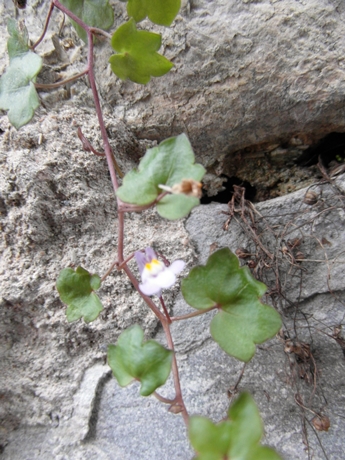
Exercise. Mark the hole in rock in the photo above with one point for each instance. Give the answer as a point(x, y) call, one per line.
point(329, 148)
point(224, 196)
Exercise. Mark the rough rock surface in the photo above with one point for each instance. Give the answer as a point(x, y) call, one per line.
point(57, 209)
point(290, 385)
point(246, 72)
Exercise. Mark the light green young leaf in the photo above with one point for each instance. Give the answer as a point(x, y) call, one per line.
point(161, 12)
point(242, 321)
point(76, 289)
point(237, 438)
point(137, 57)
point(95, 13)
point(17, 91)
point(18, 42)
point(131, 359)
point(167, 164)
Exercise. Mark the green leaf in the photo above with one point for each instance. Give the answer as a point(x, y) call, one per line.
point(161, 12)
point(76, 290)
point(137, 57)
point(17, 91)
point(236, 438)
point(243, 321)
point(167, 164)
point(131, 359)
point(95, 13)
point(18, 42)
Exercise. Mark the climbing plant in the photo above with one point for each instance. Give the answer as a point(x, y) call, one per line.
point(168, 179)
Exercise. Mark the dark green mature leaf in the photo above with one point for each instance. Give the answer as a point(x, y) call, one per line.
point(243, 320)
point(237, 438)
point(160, 12)
point(17, 91)
point(137, 57)
point(76, 289)
point(131, 359)
point(95, 13)
point(167, 164)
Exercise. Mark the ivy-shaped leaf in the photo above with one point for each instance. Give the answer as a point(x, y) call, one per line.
point(137, 57)
point(76, 289)
point(95, 13)
point(242, 321)
point(17, 90)
point(167, 164)
point(131, 359)
point(161, 12)
point(237, 438)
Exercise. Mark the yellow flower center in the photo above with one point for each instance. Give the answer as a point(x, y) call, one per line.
point(154, 267)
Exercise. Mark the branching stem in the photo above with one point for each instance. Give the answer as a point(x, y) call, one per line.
point(162, 399)
point(165, 309)
point(114, 169)
point(194, 313)
point(60, 83)
point(45, 26)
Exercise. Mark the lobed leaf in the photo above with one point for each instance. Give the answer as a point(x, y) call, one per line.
point(167, 164)
point(76, 289)
point(131, 359)
point(237, 438)
point(242, 321)
point(137, 57)
point(95, 13)
point(18, 42)
point(161, 12)
point(17, 90)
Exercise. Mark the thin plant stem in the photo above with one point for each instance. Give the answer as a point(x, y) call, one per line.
point(162, 399)
point(112, 164)
point(114, 170)
point(111, 268)
point(175, 372)
point(60, 83)
point(165, 309)
point(96, 31)
point(45, 26)
point(127, 207)
point(194, 313)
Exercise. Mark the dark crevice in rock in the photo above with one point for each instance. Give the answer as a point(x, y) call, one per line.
point(91, 434)
point(329, 148)
point(224, 196)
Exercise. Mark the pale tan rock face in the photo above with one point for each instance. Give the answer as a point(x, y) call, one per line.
point(245, 73)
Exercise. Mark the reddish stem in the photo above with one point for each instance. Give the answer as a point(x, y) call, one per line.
point(165, 309)
point(194, 313)
point(60, 83)
point(45, 26)
point(114, 169)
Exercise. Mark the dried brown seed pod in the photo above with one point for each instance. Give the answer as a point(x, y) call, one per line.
point(294, 243)
point(189, 187)
point(310, 198)
point(321, 422)
point(242, 253)
point(284, 249)
point(252, 264)
point(300, 255)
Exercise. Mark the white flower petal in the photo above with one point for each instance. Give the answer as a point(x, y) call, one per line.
point(150, 288)
point(177, 266)
point(165, 279)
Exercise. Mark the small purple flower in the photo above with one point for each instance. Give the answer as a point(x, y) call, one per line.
point(155, 275)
